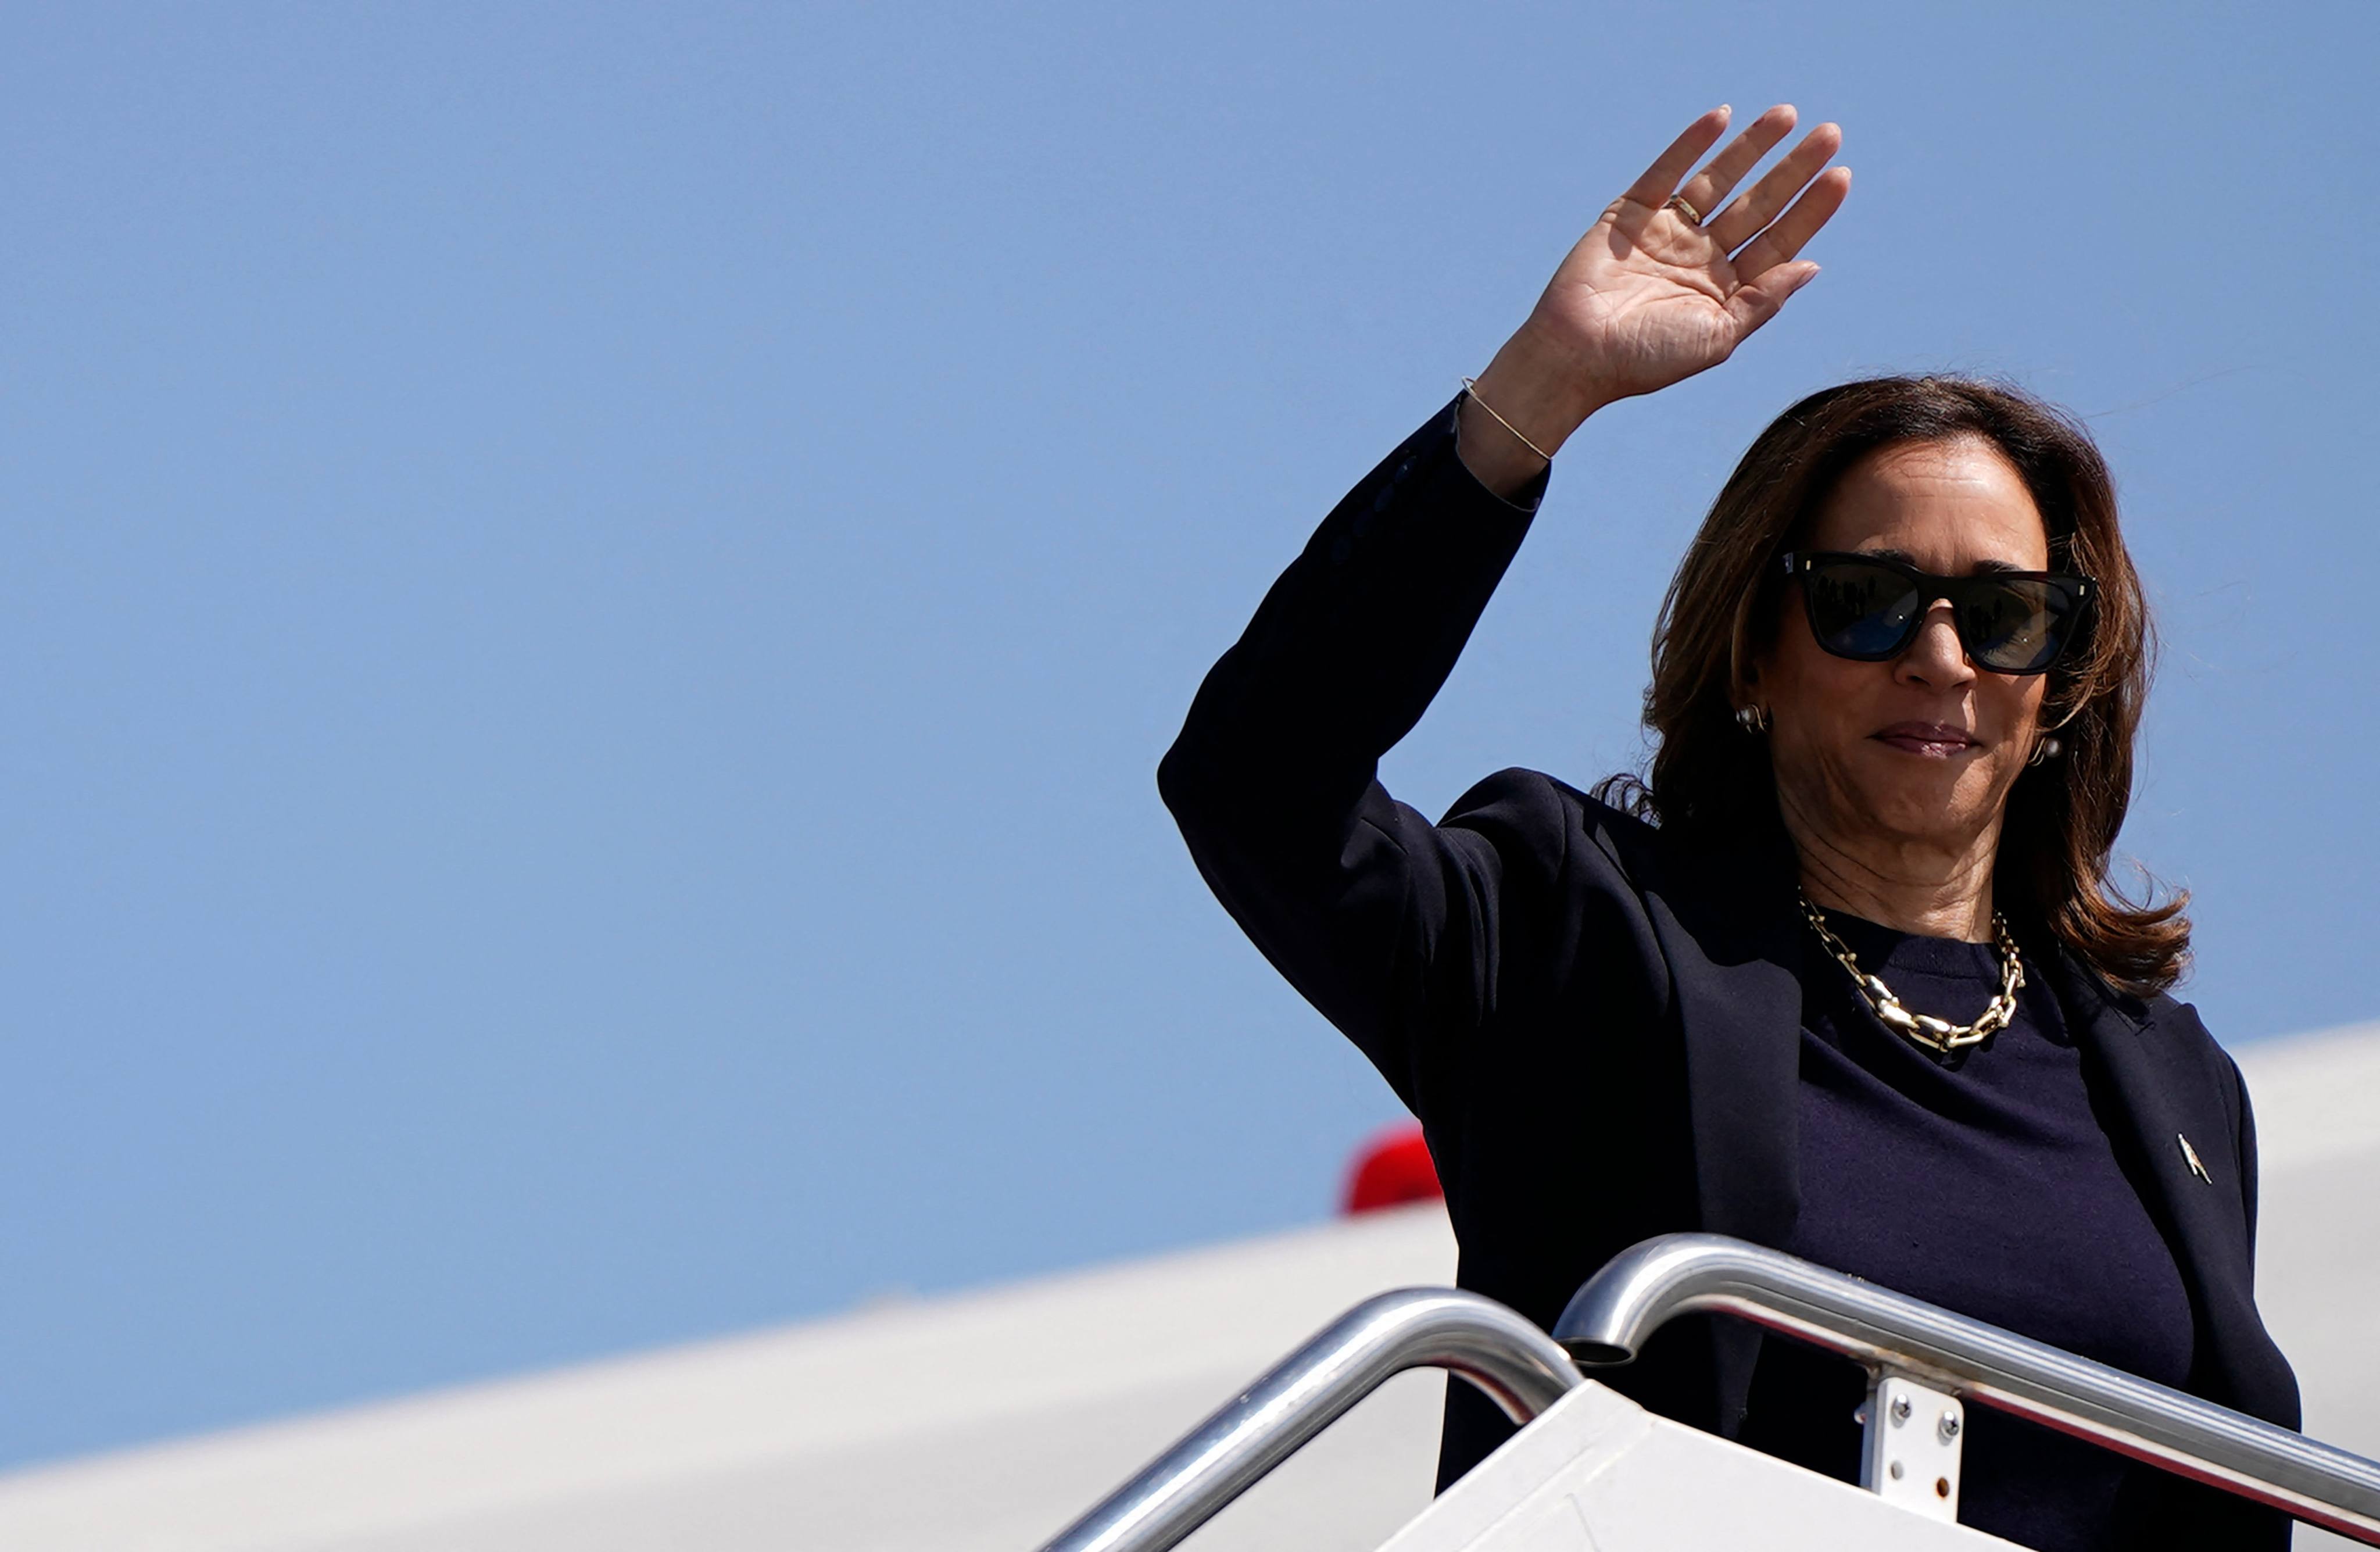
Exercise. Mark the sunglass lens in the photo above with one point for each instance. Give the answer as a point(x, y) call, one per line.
point(2016, 626)
point(1861, 610)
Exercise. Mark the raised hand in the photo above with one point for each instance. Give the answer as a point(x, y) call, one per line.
point(1650, 295)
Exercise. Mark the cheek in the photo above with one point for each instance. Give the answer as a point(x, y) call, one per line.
point(2011, 707)
point(1821, 707)
point(1813, 690)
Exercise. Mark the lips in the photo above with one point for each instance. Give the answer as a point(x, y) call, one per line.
point(1927, 740)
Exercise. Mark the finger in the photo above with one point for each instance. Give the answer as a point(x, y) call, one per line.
point(1660, 180)
point(1796, 226)
point(1756, 302)
point(1759, 204)
point(1706, 188)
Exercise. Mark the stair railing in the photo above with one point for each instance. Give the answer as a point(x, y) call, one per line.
point(1500, 1352)
point(1903, 1339)
point(1918, 1356)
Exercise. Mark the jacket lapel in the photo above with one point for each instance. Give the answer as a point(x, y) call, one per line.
point(2160, 1096)
point(1741, 1012)
point(1732, 942)
point(1732, 935)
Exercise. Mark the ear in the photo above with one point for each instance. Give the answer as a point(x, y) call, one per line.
point(1742, 688)
point(1752, 670)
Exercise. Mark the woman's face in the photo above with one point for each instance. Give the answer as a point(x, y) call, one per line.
point(1919, 751)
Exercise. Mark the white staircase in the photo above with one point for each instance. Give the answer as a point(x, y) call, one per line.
point(1597, 1472)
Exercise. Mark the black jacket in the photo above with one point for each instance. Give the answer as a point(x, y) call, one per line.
point(1596, 1022)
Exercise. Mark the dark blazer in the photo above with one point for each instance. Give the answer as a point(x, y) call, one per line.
point(1596, 1022)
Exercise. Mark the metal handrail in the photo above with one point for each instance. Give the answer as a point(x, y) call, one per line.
point(1500, 1352)
point(1640, 1289)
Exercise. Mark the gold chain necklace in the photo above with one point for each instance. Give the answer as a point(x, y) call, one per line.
point(1938, 1034)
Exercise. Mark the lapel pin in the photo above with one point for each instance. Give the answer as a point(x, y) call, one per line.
point(2190, 1156)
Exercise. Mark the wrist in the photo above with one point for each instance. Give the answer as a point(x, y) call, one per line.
point(1539, 389)
point(1506, 448)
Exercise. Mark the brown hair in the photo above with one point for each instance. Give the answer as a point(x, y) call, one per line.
point(1709, 777)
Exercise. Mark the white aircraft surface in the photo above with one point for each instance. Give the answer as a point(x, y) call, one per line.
point(990, 1419)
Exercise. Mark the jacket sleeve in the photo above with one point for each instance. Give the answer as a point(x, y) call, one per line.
point(1393, 928)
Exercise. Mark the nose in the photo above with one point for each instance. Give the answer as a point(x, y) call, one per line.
point(1935, 657)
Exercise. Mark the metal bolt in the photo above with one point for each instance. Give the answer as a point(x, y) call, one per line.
point(1948, 1427)
point(1941, 1486)
point(1899, 1408)
point(1896, 1470)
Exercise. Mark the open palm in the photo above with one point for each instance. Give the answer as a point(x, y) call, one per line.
point(1650, 296)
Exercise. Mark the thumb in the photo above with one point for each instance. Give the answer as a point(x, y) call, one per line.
point(1755, 302)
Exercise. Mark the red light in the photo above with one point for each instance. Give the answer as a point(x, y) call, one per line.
point(1392, 1168)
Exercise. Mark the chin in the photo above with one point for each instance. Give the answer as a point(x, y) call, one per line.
point(1925, 800)
point(1946, 810)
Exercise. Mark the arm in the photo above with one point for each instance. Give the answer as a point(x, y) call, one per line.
point(1396, 930)
point(1384, 922)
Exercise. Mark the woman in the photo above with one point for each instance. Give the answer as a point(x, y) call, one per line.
point(1847, 976)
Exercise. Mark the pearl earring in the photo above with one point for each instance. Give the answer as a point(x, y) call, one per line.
point(2047, 750)
point(1753, 720)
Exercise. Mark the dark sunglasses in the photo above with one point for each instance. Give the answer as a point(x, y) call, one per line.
point(1868, 608)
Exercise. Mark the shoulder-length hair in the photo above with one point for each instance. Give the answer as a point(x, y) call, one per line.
point(1723, 606)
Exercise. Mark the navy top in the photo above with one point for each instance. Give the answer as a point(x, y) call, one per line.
point(1985, 1181)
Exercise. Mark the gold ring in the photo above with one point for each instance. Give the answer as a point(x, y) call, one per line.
point(1684, 207)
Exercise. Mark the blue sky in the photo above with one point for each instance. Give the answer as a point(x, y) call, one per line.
point(592, 595)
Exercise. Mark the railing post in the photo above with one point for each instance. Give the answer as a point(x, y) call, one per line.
point(1912, 1438)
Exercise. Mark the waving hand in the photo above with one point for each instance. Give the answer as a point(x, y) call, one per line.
point(1651, 295)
